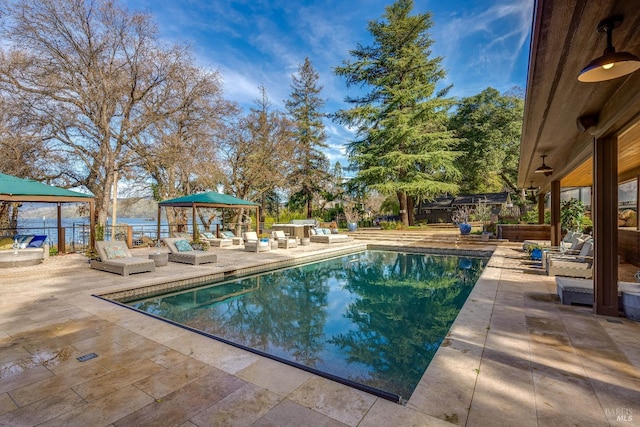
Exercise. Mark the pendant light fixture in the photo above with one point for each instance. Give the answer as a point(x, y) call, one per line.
point(546, 170)
point(611, 64)
point(532, 188)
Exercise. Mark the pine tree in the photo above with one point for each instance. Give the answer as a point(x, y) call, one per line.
point(403, 146)
point(305, 108)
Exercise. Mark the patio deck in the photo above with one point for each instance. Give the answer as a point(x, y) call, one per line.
point(514, 356)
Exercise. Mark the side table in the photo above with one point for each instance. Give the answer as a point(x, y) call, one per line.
point(161, 259)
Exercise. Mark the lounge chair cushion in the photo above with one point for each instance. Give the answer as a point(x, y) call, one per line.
point(228, 234)
point(208, 235)
point(183, 246)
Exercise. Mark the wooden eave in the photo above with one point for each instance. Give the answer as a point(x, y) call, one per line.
point(564, 39)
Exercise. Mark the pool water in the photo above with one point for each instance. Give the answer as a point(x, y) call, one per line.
point(375, 318)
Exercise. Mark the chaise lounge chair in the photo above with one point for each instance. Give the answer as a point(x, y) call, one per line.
point(214, 241)
point(253, 244)
point(228, 234)
point(181, 251)
point(115, 257)
point(284, 241)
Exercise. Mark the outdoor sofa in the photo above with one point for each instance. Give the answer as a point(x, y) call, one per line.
point(579, 265)
point(324, 235)
point(115, 257)
point(181, 251)
point(23, 250)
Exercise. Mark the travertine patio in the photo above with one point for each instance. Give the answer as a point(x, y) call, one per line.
point(514, 356)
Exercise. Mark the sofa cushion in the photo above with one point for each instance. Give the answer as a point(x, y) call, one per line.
point(183, 246)
point(37, 241)
point(6, 243)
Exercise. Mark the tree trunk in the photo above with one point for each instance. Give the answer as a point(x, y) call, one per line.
point(309, 208)
point(410, 210)
point(402, 199)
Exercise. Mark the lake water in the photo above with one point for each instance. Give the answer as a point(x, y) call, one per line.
point(77, 228)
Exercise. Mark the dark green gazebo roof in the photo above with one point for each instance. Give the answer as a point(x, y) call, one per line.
point(17, 189)
point(210, 198)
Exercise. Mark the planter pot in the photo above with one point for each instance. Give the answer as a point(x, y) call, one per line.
point(485, 236)
point(465, 228)
point(352, 226)
point(536, 255)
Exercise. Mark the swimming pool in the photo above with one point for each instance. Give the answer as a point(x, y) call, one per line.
point(372, 319)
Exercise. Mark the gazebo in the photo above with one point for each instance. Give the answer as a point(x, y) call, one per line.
point(14, 189)
point(209, 199)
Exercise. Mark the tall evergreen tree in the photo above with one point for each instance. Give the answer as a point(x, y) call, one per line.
point(305, 108)
point(489, 126)
point(402, 146)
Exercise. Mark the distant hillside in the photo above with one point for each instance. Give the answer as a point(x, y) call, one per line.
point(127, 208)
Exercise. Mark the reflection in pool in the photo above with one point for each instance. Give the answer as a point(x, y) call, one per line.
point(375, 318)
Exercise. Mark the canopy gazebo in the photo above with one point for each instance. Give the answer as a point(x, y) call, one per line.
point(14, 189)
point(209, 199)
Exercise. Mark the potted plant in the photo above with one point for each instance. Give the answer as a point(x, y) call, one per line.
point(461, 218)
point(535, 252)
point(482, 213)
point(352, 214)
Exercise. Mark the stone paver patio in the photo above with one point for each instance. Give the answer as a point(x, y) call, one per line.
point(514, 356)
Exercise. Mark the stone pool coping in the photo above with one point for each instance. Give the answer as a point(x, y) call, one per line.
point(514, 355)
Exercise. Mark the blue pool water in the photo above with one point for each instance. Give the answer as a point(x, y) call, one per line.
point(374, 318)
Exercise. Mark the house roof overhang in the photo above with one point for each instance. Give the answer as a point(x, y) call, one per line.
point(563, 40)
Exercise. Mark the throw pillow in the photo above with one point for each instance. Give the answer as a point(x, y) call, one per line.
point(37, 242)
point(23, 238)
point(577, 244)
point(6, 243)
point(183, 246)
point(114, 252)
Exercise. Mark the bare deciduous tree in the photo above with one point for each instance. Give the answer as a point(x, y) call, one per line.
point(96, 75)
point(258, 151)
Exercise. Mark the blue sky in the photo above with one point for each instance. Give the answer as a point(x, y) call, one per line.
point(252, 42)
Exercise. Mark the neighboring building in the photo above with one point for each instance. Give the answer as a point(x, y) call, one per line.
point(441, 209)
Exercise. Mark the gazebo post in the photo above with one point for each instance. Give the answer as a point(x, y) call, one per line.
point(158, 229)
point(92, 225)
point(61, 238)
point(193, 220)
